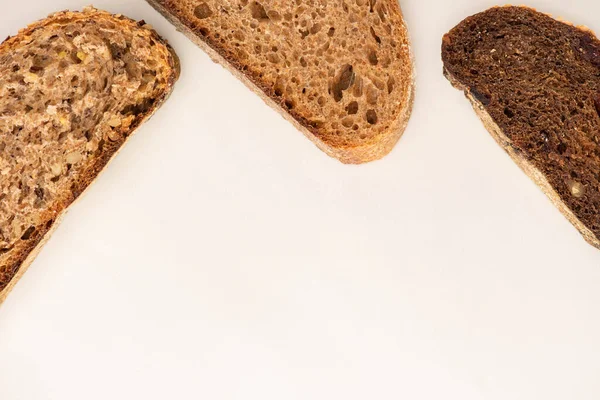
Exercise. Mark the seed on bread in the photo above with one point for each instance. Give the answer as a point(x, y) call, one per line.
point(73, 157)
point(577, 189)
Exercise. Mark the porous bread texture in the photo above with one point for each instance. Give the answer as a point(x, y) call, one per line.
point(340, 71)
point(73, 87)
point(535, 83)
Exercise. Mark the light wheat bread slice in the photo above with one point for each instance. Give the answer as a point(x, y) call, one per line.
point(340, 71)
point(535, 83)
point(73, 88)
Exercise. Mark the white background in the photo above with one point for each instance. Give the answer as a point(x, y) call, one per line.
point(222, 256)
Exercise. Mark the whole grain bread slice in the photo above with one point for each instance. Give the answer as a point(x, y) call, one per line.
point(340, 71)
point(73, 89)
point(535, 83)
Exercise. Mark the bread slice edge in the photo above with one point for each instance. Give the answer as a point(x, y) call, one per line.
point(368, 152)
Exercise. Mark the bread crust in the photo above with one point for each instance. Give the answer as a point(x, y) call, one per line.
point(374, 150)
point(25, 251)
point(530, 170)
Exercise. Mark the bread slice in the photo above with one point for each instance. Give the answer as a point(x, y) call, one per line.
point(73, 88)
point(535, 83)
point(340, 71)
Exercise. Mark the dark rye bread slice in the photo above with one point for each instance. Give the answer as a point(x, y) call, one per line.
point(535, 83)
point(340, 71)
point(73, 88)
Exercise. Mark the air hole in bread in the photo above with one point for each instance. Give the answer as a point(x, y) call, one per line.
point(352, 108)
point(561, 148)
point(381, 13)
point(372, 56)
point(203, 11)
point(348, 122)
point(274, 15)
point(372, 117)
point(35, 69)
point(39, 192)
point(375, 36)
point(390, 84)
point(27, 234)
point(372, 5)
point(315, 28)
point(258, 12)
point(343, 81)
point(372, 95)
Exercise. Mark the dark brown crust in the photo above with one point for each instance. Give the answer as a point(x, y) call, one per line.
point(21, 258)
point(349, 155)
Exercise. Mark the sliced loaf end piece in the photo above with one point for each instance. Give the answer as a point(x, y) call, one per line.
point(341, 72)
point(534, 82)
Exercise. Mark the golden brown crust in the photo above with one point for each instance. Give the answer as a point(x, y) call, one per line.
point(374, 149)
point(18, 259)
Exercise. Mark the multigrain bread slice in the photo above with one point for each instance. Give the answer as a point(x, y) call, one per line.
point(73, 88)
point(535, 83)
point(340, 71)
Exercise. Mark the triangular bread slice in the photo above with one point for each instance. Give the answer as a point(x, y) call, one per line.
point(535, 83)
point(340, 71)
point(73, 88)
